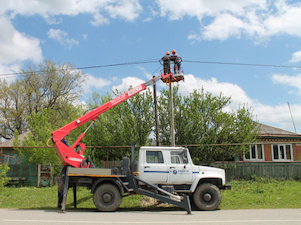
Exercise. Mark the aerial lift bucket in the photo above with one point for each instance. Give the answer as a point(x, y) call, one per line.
point(169, 78)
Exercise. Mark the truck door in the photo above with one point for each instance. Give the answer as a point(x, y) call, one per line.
point(180, 170)
point(155, 169)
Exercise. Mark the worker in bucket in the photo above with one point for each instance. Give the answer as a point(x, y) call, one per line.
point(177, 61)
point(166, 63)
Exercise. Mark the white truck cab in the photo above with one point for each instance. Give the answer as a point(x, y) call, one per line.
point(172, 169)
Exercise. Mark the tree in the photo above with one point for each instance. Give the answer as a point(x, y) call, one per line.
point(200, 118)
point(40, 132)
point(203, 119)
point(40, 128)
point(4, 168)
point(48, 85)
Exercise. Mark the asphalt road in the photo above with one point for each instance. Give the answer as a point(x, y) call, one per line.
point(53, 217)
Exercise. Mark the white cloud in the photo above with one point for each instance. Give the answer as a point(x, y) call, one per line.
point(126, 83)
point(85, 36)
point(224, 19)
point(95, 82)
point(61, 36)
point(279, 115)
point(16, 46)
point(296, 57)
point(292, 81)
point(100, 10)
point(177, 9)
point(287, 19)
point(125, 9)
point(237, 94)
point(223, 27)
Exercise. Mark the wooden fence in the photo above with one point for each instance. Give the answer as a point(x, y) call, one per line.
point(277, 170)
point(31, 175)
point(39, 175)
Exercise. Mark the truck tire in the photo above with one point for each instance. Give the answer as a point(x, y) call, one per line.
point(107, 198)
point(207, 197)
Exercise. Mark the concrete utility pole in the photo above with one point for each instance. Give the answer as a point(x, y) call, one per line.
point(172, 128)
point(156, 116)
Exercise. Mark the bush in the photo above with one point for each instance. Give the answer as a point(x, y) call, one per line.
point(3, 170)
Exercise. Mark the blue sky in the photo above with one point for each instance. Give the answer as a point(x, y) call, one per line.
point(104, 32)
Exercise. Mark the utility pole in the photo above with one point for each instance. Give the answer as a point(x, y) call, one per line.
point(172, 128)
point(292, 116)
point(156, 116)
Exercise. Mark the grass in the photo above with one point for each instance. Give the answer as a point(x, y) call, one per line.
point(262, 193)
point(254, 194)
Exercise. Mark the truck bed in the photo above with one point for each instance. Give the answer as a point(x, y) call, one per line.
point(90, 172)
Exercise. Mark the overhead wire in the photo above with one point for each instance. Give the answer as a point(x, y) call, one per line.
point(86, 67)
point(240, 64)
point(153, 61)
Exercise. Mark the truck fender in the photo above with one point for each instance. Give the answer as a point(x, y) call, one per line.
point(216, 181)
point(107, 180)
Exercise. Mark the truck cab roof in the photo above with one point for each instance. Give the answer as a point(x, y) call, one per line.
point(161, 148)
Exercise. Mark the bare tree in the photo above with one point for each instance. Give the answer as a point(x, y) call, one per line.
point(48, 85)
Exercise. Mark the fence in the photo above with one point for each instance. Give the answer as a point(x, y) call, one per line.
point(35, 176)
point(277, 170)
point(245, 170)
point(32, 175)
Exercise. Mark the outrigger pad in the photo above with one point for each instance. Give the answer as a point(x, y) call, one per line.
point(172, 77)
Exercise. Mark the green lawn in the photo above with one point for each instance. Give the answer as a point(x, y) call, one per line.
point(262, 193)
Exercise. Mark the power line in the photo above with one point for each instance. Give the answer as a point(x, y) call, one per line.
point(241, 64)
point(156, 60)
point(86, 67)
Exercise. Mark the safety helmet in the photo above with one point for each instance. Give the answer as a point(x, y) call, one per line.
point(173, 51)
point(167, 53)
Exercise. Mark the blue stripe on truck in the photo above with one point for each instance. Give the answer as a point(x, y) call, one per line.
point(156, 171)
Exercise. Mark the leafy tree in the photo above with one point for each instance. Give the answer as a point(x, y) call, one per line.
point(40, 128)
point(203, 119)
point(40, 132)
point(4, 168)
point(48, 85)
point(200, 118)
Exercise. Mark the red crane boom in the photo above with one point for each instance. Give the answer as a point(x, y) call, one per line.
point(73, 155)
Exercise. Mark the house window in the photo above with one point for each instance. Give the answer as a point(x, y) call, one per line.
point(282, 152)
point(255, 153)
point(154, 157)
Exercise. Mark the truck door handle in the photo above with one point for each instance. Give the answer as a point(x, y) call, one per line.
point(146, 167)
point(172, 167)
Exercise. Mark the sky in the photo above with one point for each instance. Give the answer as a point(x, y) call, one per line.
point(249, 50)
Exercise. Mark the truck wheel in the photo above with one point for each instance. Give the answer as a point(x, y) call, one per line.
point(207, 197)
point(107, 198)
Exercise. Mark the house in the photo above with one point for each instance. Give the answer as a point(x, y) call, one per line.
point(275, 145)
point(7, 152)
